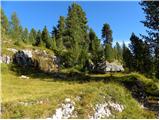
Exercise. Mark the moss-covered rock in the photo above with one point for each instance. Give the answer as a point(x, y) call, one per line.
point(37, 59)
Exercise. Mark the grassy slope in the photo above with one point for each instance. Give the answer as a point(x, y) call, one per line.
point(15, 89)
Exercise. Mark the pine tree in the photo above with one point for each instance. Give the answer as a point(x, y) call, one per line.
point(95, 48)
point(109, 54)
point(15, 27)
point(38, 40)
point(25, 35)
point(59, 33)
point(32, 36)
point(107, 34)
point(53, 44)
point(54, 32)
point(151, 10)
point(46, 38)
point(136, 47)
point(4, 24)
point(76, 40)
point(118, 52)
point(127, 58)
point(148, 65)
point(54, 37)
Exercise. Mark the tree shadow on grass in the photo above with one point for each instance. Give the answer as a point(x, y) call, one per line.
point(139, 90)
point(129, 81)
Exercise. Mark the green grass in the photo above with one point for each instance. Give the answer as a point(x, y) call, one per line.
point(55, 91)
point(9, 43)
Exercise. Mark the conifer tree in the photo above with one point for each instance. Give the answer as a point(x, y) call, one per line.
point(151, 10)
point(107, 41)
point(148, 65)
point(15, 27)
point(142, 59)
point(32, 36)
point(95, 48)
point(109, 53)
point(58, 32)
point(38, 40)
point(53, 44)
point(54, 32)
point(25, 35)
point(46, 38)
point(76, 38)
point(107, 34)
point(127, 58)
point(118, 52)
point(4, 24)
point(136, 47)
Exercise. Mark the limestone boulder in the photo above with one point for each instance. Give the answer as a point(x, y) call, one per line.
point(109, 67)
point(39, 59)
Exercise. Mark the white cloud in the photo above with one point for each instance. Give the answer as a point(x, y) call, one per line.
point(121, 42)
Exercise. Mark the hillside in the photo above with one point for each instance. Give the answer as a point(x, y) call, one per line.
point(70, 71)
point(39, 97)
point(37, 94)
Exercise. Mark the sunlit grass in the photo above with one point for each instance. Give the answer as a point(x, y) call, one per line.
point(15, 89)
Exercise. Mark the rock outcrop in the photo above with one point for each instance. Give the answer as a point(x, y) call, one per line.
point(66, 110)
point(37, 59)
point(22, 59)
point(5, 59)
point(105, 110)
point(109, 67)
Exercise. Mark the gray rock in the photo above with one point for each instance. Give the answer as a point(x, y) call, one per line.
point(5, 59)
point(103, 110)
point(22, 59)
point(24, 77)
point(66, 110)
point(28, 53)
point(109, 67)
point(38, 59)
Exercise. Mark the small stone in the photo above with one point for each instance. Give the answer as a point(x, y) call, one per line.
point(78, 98)
point(66, 111)
point(67, 100)
point(24, 77)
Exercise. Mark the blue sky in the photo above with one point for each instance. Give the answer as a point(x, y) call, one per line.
point(123, 17)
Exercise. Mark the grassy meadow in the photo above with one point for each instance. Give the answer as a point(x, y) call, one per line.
point(43, 95)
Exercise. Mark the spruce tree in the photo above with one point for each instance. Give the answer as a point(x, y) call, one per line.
point(109, 53)
point(148, 65)
point(58, 33)
point(25, 35)
point(118, 52)
point(136, 47)
point(142, 60)
point(53, 44)
point(76, 37)
point(4, 24)
point(107, 34)
point(127, 58)
point(46, 38)
point(32, 36)
point(54, 32)
point(95, 48)
point(151, 10)
point(15, 27)
point(38, 40)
